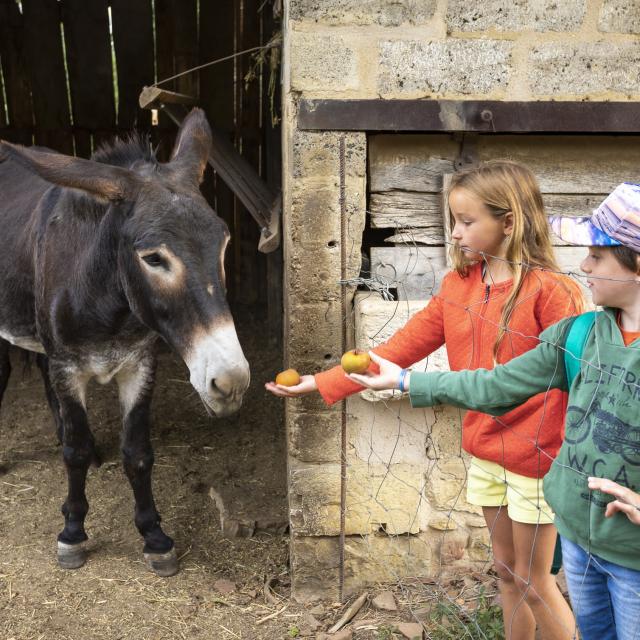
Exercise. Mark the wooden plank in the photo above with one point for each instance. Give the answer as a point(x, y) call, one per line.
point(562, 164)
point(86, 29)
point(418, 271)
point(15, 72)
point(424, 210)
point(43, 44)
point(132, 24)
point(216, 40)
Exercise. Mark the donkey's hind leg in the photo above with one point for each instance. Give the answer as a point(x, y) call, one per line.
point(5, 367)
point(136, 387)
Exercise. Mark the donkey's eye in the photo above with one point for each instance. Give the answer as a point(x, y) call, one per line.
point(155, 260)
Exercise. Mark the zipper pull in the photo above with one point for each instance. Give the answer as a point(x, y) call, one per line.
point(487, 288)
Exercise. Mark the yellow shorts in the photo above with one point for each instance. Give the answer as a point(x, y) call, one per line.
point(490, 485)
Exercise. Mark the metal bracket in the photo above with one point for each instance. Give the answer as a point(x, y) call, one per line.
point(467, 156)
point(264, 206)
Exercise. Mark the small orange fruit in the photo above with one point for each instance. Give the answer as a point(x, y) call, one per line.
point(288, 378)
point(355, 361)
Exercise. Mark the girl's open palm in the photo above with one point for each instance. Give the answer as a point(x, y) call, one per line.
point(306, 385)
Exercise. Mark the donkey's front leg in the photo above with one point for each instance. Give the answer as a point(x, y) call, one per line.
point(136, 388)
point(77, 452)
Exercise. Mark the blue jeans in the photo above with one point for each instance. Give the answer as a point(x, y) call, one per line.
point(605, 596)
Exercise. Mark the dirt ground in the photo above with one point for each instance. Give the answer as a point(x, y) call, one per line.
point(113, 595)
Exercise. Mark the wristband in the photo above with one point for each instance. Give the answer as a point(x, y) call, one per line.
point(401, 379)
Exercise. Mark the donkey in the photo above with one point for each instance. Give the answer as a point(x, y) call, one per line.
point(98, 260)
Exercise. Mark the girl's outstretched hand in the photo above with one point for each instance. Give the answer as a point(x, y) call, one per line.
point(388, 378)
point(306, 385)
point(627, 501)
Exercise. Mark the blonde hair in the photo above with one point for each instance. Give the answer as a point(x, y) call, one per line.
point(505, 186)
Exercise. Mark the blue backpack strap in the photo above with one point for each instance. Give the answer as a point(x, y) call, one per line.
point(574, 344)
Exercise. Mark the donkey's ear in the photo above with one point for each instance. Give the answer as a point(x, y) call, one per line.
point(191, 151)
point(96, 179)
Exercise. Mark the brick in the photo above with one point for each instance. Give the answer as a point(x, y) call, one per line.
point(519, 15)
point(322, 62)
point(420, 69)
point(619, 16)
point(587, 68)
point(362, 12)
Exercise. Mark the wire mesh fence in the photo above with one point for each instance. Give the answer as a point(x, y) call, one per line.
point(406, 510)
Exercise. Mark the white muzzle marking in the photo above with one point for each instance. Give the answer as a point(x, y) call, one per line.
point(219, 370)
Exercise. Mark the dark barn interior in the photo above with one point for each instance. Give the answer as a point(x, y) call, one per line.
point(71, 75)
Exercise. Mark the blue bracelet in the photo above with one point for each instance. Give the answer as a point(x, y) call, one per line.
point(401, 379)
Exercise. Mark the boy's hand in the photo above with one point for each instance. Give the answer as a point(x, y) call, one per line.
point(388, 378)
point(627, 501)
point(306, 385)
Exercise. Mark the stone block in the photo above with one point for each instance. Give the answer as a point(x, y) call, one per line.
point(446, 485)
point(362, 12)
point(379, 498)
point(414, 68)
point(315, 437)
point(323, 62)
point(384, 433)
point(368, 560)
point(584, 69)
point(376, 321)
point(619, 16)
point(529, 15)
point(316, 153)
point(446, 432)
point(479, 545)
point(312, 329)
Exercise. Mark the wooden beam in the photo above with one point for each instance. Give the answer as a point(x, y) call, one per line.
point(479, 116)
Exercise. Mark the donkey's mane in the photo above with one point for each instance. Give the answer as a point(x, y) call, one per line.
point(123, 152)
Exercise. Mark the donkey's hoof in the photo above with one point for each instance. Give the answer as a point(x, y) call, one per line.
point(71, 556)
point(163, 564)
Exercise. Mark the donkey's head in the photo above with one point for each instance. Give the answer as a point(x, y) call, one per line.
point(170, 254)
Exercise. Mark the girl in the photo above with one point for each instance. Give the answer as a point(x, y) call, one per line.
point(601, 548)
point(492, 306)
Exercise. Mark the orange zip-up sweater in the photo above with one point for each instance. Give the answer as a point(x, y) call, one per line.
point(465, 316)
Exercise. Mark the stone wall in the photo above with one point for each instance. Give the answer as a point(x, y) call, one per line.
point(409, 518)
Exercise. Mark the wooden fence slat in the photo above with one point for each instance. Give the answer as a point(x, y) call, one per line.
point(132, 24)
point(424, 210)
point(216, 40)
point(86, 29)
point(43, 44)
point(272, 172)
point(251, 270)
point(417, 271)
point(15, 71)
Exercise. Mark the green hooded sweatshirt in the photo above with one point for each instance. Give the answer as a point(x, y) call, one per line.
point(602, 425)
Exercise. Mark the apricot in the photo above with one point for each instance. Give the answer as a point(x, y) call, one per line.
point(288, 378)
point(355, 361)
